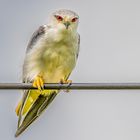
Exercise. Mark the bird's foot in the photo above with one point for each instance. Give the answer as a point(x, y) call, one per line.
point(38, 82)
point(69, 82)
point(62, 81)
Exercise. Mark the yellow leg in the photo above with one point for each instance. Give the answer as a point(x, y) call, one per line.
point(62, 81)
point(38, 82)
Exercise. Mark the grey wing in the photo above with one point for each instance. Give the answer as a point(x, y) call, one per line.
point(38, 34)
point(78, 45)
point(35, 37)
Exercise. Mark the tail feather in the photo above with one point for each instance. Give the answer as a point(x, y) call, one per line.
point(30, 98)
point(37, 108)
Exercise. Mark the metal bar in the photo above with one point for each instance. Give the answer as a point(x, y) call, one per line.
point(74, 86)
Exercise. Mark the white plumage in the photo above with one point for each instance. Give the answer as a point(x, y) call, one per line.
point(50, 57)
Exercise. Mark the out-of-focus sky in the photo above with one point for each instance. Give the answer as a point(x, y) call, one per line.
point(110, 52)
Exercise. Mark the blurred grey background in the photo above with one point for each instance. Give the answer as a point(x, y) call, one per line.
point(110, 52)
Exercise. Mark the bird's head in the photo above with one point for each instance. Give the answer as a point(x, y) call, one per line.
point(65, 20)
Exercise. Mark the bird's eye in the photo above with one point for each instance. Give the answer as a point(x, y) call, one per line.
point(59, 18)
point(74, 19)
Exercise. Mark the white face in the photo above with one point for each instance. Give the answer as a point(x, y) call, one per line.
point(65, 21)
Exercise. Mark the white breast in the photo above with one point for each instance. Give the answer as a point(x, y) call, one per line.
point(54, 56)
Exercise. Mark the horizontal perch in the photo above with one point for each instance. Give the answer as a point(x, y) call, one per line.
point(74, 86)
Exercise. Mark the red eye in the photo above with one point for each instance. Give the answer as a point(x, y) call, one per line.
point(74, 19)
point(59, 18)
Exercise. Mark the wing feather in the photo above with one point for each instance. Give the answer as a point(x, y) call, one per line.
point(38, 107)
point(78, 45)
point(35, 37)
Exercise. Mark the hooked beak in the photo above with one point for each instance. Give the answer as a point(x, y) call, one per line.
point(66, 24)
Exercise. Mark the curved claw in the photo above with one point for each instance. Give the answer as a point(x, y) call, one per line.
point(38, 82)
point(69, 82)
point(62, 81)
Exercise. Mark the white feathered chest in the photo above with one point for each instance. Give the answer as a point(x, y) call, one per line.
point(54, 55)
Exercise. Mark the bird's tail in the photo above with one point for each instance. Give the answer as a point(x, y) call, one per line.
point(34, 112)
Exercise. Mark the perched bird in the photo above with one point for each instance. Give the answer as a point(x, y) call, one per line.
point(51, 56)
